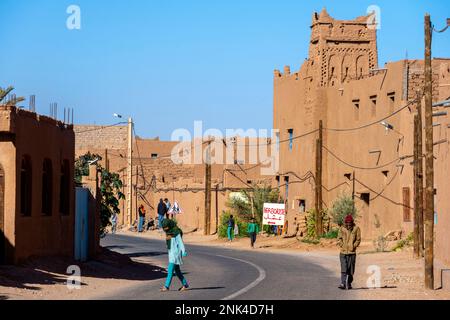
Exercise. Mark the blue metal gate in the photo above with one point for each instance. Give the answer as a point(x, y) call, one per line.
point(81, 224)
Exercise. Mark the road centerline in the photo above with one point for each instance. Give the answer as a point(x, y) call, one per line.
point(261, 277)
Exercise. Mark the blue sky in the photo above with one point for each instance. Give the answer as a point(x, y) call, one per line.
point(168, 63)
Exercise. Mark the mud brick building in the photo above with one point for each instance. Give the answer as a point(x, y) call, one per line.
point(36, 186)
point(341, 84)
point(157, 176)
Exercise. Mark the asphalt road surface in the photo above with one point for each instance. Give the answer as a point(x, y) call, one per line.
point(217, 273)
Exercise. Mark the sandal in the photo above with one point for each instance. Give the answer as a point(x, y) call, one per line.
point(164, 289)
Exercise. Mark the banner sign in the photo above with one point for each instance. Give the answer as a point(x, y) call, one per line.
point(274, 214)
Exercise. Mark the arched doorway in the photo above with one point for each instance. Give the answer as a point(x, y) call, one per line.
point(2, 216)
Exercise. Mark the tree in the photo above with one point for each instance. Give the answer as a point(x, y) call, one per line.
point(242, 205)
point(110, 188)
point(9, 101)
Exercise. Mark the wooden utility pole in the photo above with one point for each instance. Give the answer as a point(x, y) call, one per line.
point(106, 160)
point(206, 231)
point(217, 208)
point(353, 193)
point(319, 143)
point(429, 169)
point(136, 193)
point(418, 181)
point(417, 158)
point(130, 173)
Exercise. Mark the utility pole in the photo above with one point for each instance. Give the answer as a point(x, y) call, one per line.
point(417, 158)
point(319, 143)
point(136, 193)
point(429, 170)
point(130, 172)
point(206, 231)
point(106, 160)
point(217, 208)
point(418, 181)
point(353, 193)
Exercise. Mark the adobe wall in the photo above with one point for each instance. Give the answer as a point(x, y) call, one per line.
point(8, 162)
point(42, 137)
point(371, 147)
point(442, 169)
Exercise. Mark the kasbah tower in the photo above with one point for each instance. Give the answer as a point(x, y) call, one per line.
point(341, 84)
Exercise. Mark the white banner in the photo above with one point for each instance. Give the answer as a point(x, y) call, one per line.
point(274, 214)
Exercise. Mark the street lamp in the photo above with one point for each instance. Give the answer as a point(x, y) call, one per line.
point(388, 126)
point(129, 168)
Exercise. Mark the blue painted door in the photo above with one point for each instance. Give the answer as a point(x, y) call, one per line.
point(81, 224)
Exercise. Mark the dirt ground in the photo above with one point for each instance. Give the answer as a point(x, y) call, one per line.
point(45, 278)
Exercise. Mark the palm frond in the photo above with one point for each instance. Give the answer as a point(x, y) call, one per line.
point(5, 92)
point(13, 102)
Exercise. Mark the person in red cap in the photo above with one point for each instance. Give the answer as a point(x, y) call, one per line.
point(349, 239)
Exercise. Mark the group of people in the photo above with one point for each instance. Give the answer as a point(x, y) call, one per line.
point(164, 210)
point(233, 230)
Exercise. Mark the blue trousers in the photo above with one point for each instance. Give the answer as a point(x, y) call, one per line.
point(171, 269)
point(141, 223)
point(160, 220)
point(230, 233)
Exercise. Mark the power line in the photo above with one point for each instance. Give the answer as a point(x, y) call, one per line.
point(100, 127)
point(387, 185)
point(365, 168)
point(381, 195)
point(375, 122)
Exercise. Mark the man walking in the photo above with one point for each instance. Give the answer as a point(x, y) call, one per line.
point(349, 239)
point(230, 228)
point(161, 212)
point(252, 230)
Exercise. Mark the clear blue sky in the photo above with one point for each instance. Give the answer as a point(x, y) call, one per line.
point(168, 63)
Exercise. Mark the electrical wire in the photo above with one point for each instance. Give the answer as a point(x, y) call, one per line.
point(383, 196)
point(387, 185)
point(100, 127)
point(374, 122)
point(364, 168)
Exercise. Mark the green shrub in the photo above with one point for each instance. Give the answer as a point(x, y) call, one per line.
point(311, 224)
point(332, 234)
point(242, 225)
point(404, 243)
point(342, 206)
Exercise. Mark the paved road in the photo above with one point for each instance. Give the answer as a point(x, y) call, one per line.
point(217, 273)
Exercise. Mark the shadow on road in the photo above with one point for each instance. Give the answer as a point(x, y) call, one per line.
point(117, 247)
point(145, 254)
point(206, 288)
point(366, 288)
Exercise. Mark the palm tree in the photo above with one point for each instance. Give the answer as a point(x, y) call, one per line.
point(10, 101)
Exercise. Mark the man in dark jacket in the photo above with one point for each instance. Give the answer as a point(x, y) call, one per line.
point(349, 239)
point(161, 212)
